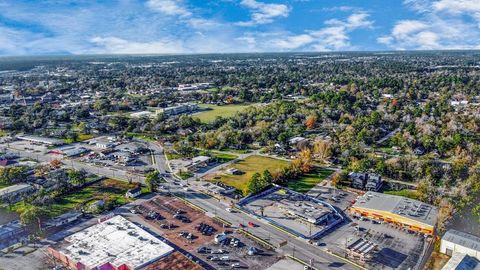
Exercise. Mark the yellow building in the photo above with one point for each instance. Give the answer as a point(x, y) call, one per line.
point(407, 213)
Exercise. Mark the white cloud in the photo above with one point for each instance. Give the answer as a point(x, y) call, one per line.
point(457, 6)
point(169, 7)
point(441, 25)
point(263, 13)
point(293, 42)
point(122, 46)
point(334, 36)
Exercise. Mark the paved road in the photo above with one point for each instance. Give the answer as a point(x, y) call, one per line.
point(294, 246)
point(98, 170)
point(388, 136)
point(158, 157)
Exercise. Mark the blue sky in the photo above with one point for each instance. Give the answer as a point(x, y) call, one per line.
point(39, 27)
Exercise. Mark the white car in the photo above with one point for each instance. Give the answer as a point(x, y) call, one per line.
point(230, 210)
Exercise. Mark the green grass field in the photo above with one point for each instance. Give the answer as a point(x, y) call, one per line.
point(412, 194)
point(223, 111)
point(223, 157)
point(310, 180)
point(249, 166)
point(108, 190)
point(2, 185)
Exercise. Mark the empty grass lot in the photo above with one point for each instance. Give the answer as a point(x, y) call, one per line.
point(310, 180)
point(108, 190)
point(249, 166)
point(214, 111)
point(412, 194)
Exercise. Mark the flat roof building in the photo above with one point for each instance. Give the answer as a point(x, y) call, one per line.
point(408, 213)
point(42, 140)
point(460, 261)
point(11, 230)
point(115, 243)
point(460, 242)
point(16, 192)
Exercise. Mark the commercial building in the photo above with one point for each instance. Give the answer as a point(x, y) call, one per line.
point(221, 188)
point(460, 242)
point(460, 261)
point(11, 230)
point(16, 192)
point(361, 250)
point(64, 219)
point(194, 86)
point(41, 140)
point(179, 109)
point(142, 114)
point(113, 244)
point(198, 162)
point(69, 151)
point(297, 213)
point(404, 212)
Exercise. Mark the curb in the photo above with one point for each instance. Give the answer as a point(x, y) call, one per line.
point(301, 262)
point(190, 204)
point(257, 239)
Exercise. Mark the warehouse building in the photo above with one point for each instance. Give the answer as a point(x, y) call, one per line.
point(460, 261)
point(404, 212)
point(16, 192)
point(115, 243)
point(41, 140)
point(460, 242)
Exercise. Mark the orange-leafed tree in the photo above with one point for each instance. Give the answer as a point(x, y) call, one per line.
point(55, 163)
point(311, 121)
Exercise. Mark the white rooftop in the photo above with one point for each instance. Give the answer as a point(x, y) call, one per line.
point(405, 207)
point(116, 241)
point(14, 188)
point(460, 261)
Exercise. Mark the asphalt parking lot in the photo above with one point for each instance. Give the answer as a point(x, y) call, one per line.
point(198, 234)
point(238, 251)
point(340, 199)
point(396, 249)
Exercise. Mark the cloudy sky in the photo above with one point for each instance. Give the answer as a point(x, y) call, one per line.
point(39, 27)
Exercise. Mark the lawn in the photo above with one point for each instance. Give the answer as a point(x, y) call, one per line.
point(185, 175)
point(249, 166)
point(83, 137)
point(308, 181)
point(108, 190)
point(223, 157)
point(215, 110)
point(2, 185)
point(412, 194)
point(141, 136)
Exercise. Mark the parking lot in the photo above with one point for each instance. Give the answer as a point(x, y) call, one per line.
point(299, 214)
point(204, 237)
point(179, 222)
point(237, 251)
point(340, 199)
point(395, 248)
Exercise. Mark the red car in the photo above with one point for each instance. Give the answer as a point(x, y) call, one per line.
point(251, 224)
point(241, 225)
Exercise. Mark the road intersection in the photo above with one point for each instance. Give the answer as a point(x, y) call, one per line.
point(285, 244)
